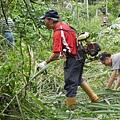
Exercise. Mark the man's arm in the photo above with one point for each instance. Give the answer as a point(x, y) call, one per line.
point(111, 79)
point(117, 82)
point(53, 57)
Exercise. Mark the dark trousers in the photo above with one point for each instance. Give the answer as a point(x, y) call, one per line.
point(73, 76)
point(9, 37)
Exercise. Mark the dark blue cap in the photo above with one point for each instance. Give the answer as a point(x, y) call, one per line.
point(50, 13)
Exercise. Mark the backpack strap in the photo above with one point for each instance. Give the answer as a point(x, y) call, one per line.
point(64, 30)
point(73, 30)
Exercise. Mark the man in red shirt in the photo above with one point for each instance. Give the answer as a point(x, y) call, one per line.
point(64, 39)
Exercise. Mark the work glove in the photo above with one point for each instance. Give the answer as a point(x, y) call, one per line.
point(42, 64)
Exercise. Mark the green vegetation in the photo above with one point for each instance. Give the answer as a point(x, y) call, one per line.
point(28, 94)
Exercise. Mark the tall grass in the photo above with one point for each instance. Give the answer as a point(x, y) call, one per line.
point(28, 94)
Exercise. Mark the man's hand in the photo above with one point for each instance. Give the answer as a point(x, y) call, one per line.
point(42, 64)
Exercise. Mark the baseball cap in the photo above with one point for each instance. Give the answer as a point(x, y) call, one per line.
point(51, 14)
point(103, 55)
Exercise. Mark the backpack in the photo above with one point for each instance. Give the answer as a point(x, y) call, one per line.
point(91, 49)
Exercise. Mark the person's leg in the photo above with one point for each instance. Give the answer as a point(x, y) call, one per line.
point(89, 91)
point(72, 75)
point(9, 37)
point(86, 87)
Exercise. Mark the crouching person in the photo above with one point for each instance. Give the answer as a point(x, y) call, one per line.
point(114, 61)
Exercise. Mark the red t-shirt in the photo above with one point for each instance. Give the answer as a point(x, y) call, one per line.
point(64, 39)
